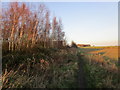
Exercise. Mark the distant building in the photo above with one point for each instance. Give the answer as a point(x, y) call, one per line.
point(83, 45)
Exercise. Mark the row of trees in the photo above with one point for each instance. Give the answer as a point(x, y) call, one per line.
point(22, 27)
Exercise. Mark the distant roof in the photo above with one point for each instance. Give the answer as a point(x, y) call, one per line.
point(83, 44)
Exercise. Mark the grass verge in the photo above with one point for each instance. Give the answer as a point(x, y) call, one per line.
point(40, 68)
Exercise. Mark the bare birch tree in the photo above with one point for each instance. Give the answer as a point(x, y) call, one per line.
point(24, 28)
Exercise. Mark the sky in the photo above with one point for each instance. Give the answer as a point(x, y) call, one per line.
point(94, 23)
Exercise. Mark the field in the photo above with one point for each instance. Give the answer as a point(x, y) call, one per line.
point(111, 52)
point(35, 51)
point(101, 66)
point(62, 68)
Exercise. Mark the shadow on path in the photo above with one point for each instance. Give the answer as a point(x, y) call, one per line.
point(81, 73)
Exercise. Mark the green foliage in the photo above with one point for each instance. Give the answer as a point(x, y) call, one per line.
point(24, 68)
point(101, 71)
point(99, 77)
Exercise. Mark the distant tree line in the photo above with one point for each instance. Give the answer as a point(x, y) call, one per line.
point(22, 27)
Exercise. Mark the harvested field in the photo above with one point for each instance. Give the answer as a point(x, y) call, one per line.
point(111, 52)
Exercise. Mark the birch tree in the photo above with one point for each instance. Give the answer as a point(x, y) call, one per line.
point(24, 28)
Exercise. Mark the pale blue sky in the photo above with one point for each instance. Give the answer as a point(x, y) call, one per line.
point(88, 22)
point(93, 23)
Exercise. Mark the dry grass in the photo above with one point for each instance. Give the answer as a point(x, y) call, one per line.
point(101, 66)
point(57, 71)
point(99, 61)
point(101, 73)
point(111, 52)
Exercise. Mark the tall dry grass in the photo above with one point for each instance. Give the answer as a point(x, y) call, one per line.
point(58, 70)
point(101, 73)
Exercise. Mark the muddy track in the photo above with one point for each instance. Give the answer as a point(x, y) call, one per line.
point(81, 73)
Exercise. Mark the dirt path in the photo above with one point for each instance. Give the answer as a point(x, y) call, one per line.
point(81, 74)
